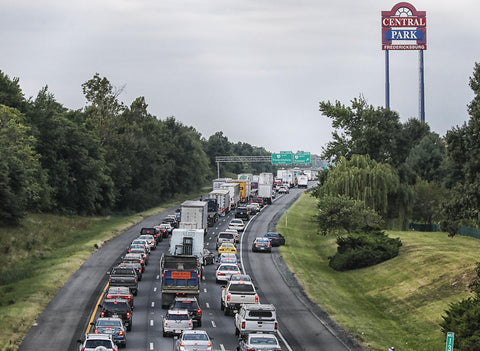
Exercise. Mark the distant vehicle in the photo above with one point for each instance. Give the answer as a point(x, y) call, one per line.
point(256, 318)
point(176, 321)
point(240, 278)
point(120, 292)
point(276, 239)
point(134, 258)
point(259, 341)
point(113, 326)
point(259, 200)
point(94, 342)
point(152, 231)
point(124, 276)
point(302, 181)
point(237, 293)
point(134, 265)
point(242, 213)
point(193, 340)
point(225, 270)
point(283, 190)
point(224, 237)
point(227, 248)
point(208, 257)
point(236, 224)
point(172, 221)
point(191, 305)
point(254, 208)
point(117, 307)
point(165, 229)
point(152, 242)
point(261, 245)
point(228, 258)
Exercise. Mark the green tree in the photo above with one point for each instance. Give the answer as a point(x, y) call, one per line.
point(10, 92)
point(342, 213)
point(362, 178)
point(22, 180)
point(426, 158)
point(428, 200)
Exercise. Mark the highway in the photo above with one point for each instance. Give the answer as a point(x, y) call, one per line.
point(302, 326)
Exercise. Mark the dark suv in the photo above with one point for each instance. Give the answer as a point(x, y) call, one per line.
point(117, 307)
point(243, 213)
point(190, 304)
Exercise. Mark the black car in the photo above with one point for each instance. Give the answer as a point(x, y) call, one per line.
point(276, 239)
point(118, 307)
point(190, 304)
point(152, 231)
point(208, 257)
point(243, 213)
point(261, 245)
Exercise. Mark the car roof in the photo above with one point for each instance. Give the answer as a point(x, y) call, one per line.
point(177, 311)
point(227, 245)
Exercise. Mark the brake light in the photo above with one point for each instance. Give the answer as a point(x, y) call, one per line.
point(198, 275)
point(120, 332)
point(163, 275)
point(109, 297)
point(182, 344)
point(139, 270)
point(83, 349)
point(243, 325)
point(96, 331)
point(102, 314)
point(199, 311)
point(141, 262)
point(128, 315)
point(109, 279)
point(189, 322)
point(166, 323)
point(228, 297)
point(276, 325)
point(135, 280)
point(209, 344)
point(256, 298)
point(220, 273)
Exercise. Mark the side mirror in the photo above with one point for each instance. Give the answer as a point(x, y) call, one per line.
point(224, 286)
point(100, 306)
point(80, 341)
point(92, 323)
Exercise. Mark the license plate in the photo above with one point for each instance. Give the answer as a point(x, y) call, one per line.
point(178, 331)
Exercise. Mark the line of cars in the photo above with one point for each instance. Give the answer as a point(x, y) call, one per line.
point(115, 319)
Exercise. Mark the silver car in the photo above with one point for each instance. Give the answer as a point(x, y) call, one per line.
point(259, 342)
point(176, 321)
point(194, 340)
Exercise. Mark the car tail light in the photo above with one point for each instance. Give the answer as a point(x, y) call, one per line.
point(82, 349)
point(228, 297)
point(141, 262)
point(199, 311)
point(163, 275)
point(120, 332)
point(139, 270)
point(243, 325)
point(135, 280)
point(109, 279)
point(182, 344)
point(128, 315)
point(198, 275)
point(276, 326)
point(209, 344)
point(256, 298)
point(102, 314)
point(165, 323)
point(96, 331)
point(189, 322)
point(221, 273)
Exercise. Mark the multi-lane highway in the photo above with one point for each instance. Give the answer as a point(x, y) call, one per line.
point(302, 326)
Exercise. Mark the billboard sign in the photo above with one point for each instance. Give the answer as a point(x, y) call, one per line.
point(302, 158)
point(404, 28)
point(283, 158)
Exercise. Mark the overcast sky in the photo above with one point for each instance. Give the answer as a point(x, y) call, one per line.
point(254, 69)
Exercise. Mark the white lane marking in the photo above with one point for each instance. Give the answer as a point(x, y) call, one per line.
point(154, 289)
point(151, 322)
point(222, 347)
point(151, 346)
point(284, 341)
point(153, 303)
point(203, 277)
point(158, 277)
point(207, 304)
point(213, 324)
point(205, 290)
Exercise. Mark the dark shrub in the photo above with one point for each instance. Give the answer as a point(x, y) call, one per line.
point(364, 249)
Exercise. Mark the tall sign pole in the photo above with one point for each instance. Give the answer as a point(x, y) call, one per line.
point(405, 28)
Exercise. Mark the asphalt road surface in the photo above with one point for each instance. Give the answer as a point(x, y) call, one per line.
point(302, 325)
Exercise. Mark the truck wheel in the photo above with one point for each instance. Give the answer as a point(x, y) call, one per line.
point(135, 292)
point(237, 332)
point(227, 311)
point(222, 307)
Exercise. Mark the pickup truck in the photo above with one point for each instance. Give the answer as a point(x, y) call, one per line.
point(254, 318)
point(237, 293)
point(124, 276)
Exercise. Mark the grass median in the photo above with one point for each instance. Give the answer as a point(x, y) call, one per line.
point(39, 256)
point(397, 303)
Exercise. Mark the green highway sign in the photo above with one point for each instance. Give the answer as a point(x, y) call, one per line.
point(283, 158)
point(450, 337)
point(302, 157)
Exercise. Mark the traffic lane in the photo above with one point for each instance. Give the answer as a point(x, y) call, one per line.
point(297, 322)
point(68, 312)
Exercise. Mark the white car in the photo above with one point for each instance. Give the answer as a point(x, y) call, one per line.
point(234, 232)
point(194, 340)
point(225, 271)
point(150, 240)
point(98, 341)
point(236, 224)
point(176, 321)
point(260, 342)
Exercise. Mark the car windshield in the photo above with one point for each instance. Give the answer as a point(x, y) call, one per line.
point(229, 267)
point(185, 305)
point(116, 306)
point(179, 317)
point(195, 336)
point(262, 341)
point(241, 287)
point(109, 323)
point(123, 271)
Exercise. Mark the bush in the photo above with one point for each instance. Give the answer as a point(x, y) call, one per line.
point(363, 250)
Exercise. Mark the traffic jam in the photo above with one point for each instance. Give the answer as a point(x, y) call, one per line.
point(197, 243)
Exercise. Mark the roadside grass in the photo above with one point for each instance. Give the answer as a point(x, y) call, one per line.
point(397, 303)
point(38, 257)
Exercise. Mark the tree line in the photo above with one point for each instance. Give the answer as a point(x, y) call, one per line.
point(105, 158)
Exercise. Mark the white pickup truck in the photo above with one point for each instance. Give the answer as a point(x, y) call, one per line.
point(237, 293)
point(256, 318)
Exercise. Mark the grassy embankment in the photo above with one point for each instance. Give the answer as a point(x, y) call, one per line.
point(38, 257)
point(396, 303)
